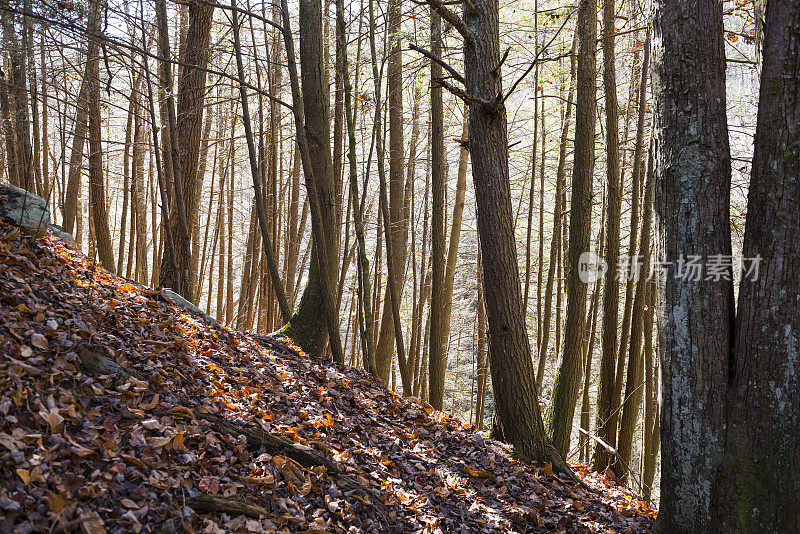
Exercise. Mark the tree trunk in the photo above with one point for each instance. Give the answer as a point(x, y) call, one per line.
point(760, 485)
point(568, 379)
point(606, 415)
point(692, 192)
point(634, 380)
point(516, 400)
point(311, 112)
point(384, 351)
point(97, 195)
point(438, 336)
point(555, 243)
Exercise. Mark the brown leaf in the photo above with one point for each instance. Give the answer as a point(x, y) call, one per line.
point(39, 341)
point(209, 485)
point(480, 473)
point(25, 475)
point(52, 417)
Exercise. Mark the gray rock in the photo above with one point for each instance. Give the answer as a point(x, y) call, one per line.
point(66, 237)
point(24, 209)
point(185, 304)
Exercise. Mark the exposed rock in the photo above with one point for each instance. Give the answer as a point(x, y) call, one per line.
point(24, 209)
point(185, 304)
point(66, 237)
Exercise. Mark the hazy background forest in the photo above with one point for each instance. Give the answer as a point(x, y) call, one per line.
point(49, 56)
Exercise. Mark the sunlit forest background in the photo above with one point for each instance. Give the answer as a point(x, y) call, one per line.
point(230, 274)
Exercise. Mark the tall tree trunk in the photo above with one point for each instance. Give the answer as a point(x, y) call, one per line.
point(606, 414)
point(311, 113)
point(634, 379)
point(760, 484)
point(175, 263)
point(384, 351)
point(568, 378)
point(97, 195)
point(516, 401)
point(555, 243)
point(692, 200)
point(586, 409)
point(438, 336)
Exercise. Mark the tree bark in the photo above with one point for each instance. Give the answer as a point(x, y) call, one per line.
point(97, 195)
point(513, 378)
point(692, 199)
point(568, 378)
point(760, 484)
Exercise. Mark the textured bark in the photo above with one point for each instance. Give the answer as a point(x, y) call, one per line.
point(176, 260)
point(568, 378)
point(516, 401)
point(606, 415)
point(97, 195)
point(187, 137)
point(759, 489)
point(384, 351)
point(312, 125)
point(438, 336)
point(692, 191)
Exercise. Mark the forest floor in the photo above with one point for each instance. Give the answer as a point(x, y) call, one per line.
point(121, 412)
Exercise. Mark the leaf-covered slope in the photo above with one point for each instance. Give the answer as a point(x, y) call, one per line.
point(120, 412)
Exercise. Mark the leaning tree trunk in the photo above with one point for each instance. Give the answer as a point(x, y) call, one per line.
point(568, 378)
point(692, 192)
point(513, 379)
point(317, 307)
point(760, 487)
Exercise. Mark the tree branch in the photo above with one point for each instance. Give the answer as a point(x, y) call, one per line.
point(440, 61)
point(539, 53)
point(453, 19)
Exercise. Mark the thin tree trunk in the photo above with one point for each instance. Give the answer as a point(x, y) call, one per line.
point(606, 413)
point(568, 379)
point(97, 195)
point(555, 243)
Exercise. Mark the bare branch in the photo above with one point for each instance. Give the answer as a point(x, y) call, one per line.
point(438, 60)
point(539, 53)
point(453, 19)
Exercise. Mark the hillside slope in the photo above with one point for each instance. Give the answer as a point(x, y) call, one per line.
point(121, 412)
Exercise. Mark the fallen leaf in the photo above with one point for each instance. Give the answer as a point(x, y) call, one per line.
point(25, 475)
point(39, 341)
